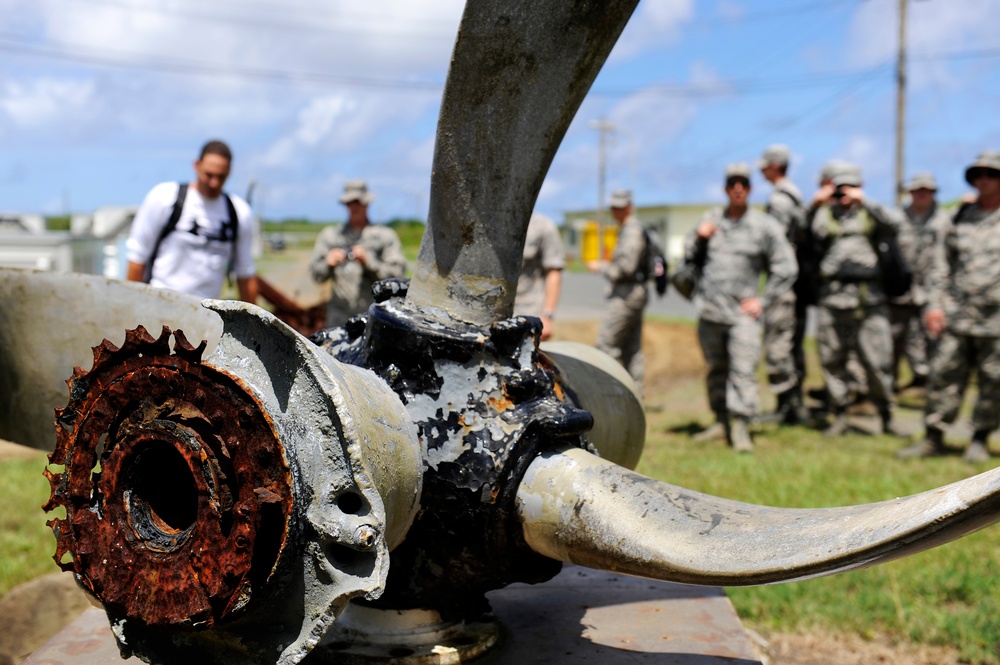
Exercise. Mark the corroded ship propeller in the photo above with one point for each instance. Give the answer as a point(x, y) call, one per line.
point(428, 451)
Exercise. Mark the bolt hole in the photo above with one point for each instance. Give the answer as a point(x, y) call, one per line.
point(350, 503)
point(350, 561)
point(401, 652)
point(338, 646)
point(463, 641)
point(163, 490)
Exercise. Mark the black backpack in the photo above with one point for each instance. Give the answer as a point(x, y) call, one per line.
point(655, 264)
point(229, 231)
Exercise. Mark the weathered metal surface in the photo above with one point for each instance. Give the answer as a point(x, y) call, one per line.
point(484, 401)
point(253, 494)
point(173, 483)
point(50, 321)
point(518, 73)
point(578, 508)
point(580, 616)
point(604, 389)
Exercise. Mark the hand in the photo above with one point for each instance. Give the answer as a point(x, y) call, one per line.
point(824, 194)
point(752, 307)
point(852, 195)
point(706, 230)
point(546, 327)
point(969, 197)
point(595, 266)
point(335, 257)
point(360, 255)
point(935, 321)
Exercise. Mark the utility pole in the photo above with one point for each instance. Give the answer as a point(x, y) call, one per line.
point(603, 129)
point(901, 103)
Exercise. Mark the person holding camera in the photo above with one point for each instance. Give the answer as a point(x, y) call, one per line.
point(852, 312)
point(354, 256)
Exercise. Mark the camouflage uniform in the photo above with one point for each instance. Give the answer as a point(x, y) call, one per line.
point(352, 282)
point(620, 335)
point(964, 282)
point(784, 321)
point(737, 253)
point(543, 251)
point(918, 236)
point(852, 306)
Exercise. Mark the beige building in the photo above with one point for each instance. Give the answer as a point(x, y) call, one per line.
point(671, 222)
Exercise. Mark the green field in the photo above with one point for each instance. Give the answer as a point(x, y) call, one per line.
point(949, 595)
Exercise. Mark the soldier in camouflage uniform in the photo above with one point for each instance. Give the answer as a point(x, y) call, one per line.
point(735, 245)
point(963, 310)
point(853, 311)
point(354, 256)
point(785, 319)
point(918, 236)
point(540, 282)
point(620, 335)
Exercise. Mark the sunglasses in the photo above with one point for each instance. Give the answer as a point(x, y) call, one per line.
point(983, 173)
point(730, 182)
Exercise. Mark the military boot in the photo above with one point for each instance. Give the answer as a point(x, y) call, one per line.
point(931, 445)
point(978, 452)
point(839, 425)
point(888, 426)
point(795, 412)
point(739, 436)
point(714, 432)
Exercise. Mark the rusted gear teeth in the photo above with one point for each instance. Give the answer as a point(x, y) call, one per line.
point(177, 493)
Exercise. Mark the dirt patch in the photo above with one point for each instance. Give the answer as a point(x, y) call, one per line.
point(9, 450)
point(827, 648)
point(35, 611)
point(671, 350)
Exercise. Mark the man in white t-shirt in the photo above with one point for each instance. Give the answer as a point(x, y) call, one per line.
point(186, 237)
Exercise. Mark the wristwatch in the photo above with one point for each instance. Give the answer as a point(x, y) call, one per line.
point(548, 314)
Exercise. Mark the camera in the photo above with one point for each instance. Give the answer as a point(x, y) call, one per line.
point(350, 255)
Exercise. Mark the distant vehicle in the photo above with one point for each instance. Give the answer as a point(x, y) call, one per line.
point(276, 242)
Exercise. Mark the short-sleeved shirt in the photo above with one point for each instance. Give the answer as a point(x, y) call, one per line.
point(352, 282)
point(195, 257)
point(737, 253)
point(543, 251)
point(964, 280)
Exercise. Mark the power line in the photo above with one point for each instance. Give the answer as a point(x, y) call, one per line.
point(368, 26)
point(144, 62)
point(132, 60)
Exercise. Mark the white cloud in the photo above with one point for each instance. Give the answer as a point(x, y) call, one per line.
point(653, 26)
point(340, 122)
point(933, 27)
point(42, 102)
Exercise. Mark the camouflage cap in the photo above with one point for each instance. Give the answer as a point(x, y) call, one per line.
point(774, 154)
point(738, 170)
point(849, 175)
point(830, 169)
point(621, 198)
point(988, 160)
point(922, 180)
point(356, 190)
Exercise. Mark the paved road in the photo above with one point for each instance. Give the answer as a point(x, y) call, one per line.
point(583, 299)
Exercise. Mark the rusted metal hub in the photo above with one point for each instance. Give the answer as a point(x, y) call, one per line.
point(484, 401)
point(177, 493)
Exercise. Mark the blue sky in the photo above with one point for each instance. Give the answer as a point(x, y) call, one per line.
point(101, 99)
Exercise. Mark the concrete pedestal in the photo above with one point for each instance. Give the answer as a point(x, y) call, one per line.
point(581, 616)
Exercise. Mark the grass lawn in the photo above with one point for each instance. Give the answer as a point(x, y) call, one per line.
point(949, 595)
point(945, 596)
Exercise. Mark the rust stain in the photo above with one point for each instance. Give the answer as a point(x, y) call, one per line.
point(173, 516)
